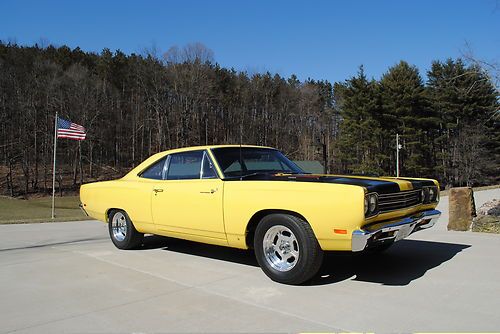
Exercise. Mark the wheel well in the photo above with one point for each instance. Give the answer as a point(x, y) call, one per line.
point(110, 211)
point(257, 217)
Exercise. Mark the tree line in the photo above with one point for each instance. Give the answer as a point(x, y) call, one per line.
point(136, 105)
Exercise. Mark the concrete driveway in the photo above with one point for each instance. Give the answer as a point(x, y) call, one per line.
point(68, 277)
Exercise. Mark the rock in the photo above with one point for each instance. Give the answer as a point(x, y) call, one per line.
point(494, 211)
point(488, 218)
point(491, 208)
point(462, 209)
point(488, 224)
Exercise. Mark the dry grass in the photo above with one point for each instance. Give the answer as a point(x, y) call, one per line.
point(445, 192)
point(38, 210)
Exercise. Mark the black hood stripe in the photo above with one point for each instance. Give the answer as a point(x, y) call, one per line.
point(378, 185)
point(417, 184)
point(372, 185)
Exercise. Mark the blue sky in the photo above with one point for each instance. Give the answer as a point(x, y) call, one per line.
point(316, 39)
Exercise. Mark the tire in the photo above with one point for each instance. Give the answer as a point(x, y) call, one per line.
point(122, 232)
point(287, 249)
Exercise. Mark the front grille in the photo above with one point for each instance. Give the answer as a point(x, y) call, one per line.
point(401, 200)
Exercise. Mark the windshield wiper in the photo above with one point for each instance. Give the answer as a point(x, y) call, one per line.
point(244, 176)
point(293, 173)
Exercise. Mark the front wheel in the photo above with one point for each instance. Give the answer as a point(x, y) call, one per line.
point(287, 249)
point(122, 232)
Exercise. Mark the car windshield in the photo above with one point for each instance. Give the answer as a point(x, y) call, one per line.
point(244, 161)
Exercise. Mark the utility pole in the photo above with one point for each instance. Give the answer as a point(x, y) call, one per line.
point(398, 147)
point(325, 155)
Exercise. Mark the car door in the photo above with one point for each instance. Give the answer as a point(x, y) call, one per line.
point(189, 199)
point(136, 195)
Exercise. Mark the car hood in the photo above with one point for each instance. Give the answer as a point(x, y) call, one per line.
point(381, 185)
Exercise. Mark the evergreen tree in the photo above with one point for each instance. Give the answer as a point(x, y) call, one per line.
point(466, 102)
point(404, 111)
point(359, 103)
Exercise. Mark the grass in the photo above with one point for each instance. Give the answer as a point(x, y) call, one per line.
point(38, 210)
point(487, 224)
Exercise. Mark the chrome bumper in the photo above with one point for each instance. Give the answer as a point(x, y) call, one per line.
point(391, 231)
point(83, 209)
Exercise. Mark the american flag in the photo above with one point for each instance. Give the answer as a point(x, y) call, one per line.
point(66, 129)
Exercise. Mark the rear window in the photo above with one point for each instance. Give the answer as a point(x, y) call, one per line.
point(155, 171)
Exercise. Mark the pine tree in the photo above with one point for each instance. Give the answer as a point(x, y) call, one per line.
point(465, 101)
point(404, 111)
point(359, 103)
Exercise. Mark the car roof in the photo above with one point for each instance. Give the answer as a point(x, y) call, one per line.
point(155, 157)
point(195, 148)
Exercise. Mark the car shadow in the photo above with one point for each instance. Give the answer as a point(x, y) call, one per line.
point(405, 261)
point(235, 255)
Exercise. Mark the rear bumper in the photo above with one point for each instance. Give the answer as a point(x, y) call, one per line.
point(390, 231)
point(83, 209)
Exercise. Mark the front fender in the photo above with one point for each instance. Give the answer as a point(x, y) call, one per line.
point(324, 206)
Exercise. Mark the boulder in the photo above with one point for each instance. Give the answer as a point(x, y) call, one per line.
point(490, 208)
point(488, 218)
point(462, 209)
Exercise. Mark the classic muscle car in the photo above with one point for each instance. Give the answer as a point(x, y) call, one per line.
point(255, 197)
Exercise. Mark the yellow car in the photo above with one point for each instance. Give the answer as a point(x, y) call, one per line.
point(255, 197)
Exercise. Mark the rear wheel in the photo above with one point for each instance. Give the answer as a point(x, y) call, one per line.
point(287, 249)
point(122, 232)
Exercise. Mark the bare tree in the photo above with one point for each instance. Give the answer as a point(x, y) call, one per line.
point(190, 53)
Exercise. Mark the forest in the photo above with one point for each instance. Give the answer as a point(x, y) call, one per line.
point(135, 105)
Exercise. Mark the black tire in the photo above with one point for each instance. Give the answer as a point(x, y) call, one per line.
point(305, 245)
point(119, 222)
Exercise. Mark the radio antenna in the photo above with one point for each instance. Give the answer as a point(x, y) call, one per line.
point(241, 155)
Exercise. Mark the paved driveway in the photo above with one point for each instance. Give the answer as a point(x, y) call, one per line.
point(68, 277)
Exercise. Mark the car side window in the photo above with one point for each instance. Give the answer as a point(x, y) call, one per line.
point(155, 171)
point(185, 165)
point(234, 167)
point(207, 168)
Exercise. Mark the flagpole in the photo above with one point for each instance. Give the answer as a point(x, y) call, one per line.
point(54, 169)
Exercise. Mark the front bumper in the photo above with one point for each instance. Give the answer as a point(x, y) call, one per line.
point(391, 231)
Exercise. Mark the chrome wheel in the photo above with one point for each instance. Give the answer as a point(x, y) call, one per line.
point(119, 226)
point(281, 249)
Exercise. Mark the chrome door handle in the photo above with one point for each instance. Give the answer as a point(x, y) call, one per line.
point(208, 192)
point(158, 190)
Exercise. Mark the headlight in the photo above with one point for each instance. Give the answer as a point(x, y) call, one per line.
point(430, 194)
point(425, 195)
point(371, 204)
point(433, 194)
